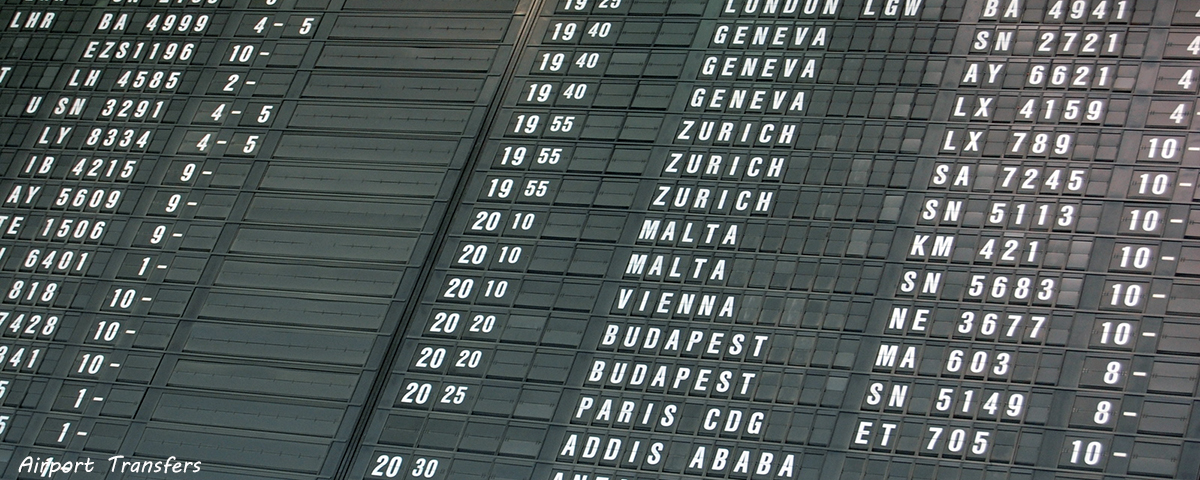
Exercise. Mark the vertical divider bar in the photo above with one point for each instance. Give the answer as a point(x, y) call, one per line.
point(368, 409)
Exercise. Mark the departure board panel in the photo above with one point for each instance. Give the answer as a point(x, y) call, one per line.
point(600, 239)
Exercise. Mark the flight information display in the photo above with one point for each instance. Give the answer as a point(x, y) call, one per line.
point(600, 239)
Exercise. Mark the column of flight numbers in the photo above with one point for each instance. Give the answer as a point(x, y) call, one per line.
point(1012, 324)
point(1063, 168)
point(92, 135)
point(1004, 369)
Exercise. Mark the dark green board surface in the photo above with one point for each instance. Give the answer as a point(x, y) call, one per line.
point(599, 239)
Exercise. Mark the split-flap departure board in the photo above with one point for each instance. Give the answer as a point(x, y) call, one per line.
point(600, 239)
